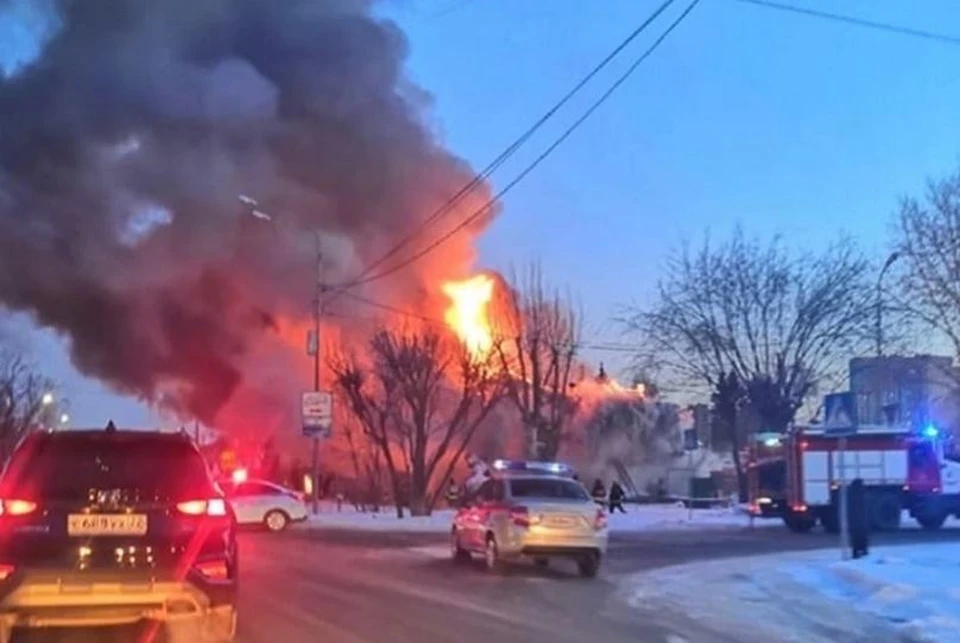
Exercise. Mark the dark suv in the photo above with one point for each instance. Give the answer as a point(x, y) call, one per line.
point(116, 527)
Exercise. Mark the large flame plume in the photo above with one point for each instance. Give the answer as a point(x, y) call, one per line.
point(469, 312)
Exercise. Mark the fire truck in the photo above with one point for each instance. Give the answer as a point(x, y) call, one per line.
point(901, 468)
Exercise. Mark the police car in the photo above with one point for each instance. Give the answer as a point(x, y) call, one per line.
point(531, 510)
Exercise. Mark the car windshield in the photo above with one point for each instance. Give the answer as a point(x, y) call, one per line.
point(67, 469)
point(548, 488)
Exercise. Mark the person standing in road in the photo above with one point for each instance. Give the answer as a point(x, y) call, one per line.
point(617, 495)
point(599, 492)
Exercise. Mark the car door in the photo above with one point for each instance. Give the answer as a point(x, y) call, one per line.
point(247, 503)
point(467, 518)
point(489, 508)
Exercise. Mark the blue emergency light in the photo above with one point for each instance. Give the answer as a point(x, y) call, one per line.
point(557, 468)
point(930, 432)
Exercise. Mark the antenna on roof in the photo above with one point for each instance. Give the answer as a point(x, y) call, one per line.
point(111, 427)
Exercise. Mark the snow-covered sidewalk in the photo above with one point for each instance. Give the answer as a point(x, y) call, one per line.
point(637, 518)
point(901, 593)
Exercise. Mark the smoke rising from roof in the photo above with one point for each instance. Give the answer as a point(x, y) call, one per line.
point(124, 145)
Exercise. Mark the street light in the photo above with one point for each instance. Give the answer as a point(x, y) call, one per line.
point(64, 418)
point(47, 399)
point(313, 344)
point(892, 259)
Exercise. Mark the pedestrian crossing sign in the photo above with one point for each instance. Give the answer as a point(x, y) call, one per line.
point(839, 412)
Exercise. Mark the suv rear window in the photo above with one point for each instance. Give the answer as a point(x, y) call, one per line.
point(66, 469)
point(548, 488)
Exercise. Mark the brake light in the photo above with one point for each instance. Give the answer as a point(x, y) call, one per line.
point(212, 507)
point(214, 570)
point(600, 522)
point(17, 507)
point(520, 516)
point(6, 571)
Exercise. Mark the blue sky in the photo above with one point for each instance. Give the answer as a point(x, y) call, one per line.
point(778, 122)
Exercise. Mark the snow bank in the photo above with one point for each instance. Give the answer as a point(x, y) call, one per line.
point(637, 518)
point(916, 587)
point(905, 593)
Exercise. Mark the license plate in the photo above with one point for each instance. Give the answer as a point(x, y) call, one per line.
point(559, 521)
point(106, 524)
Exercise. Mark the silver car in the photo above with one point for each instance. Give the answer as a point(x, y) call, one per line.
point(530, 510)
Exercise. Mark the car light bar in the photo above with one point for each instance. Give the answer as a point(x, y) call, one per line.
point(558, 468)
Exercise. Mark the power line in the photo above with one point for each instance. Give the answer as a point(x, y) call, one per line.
point(607, 346)
point(860, 22)
point(447, 206)
point(537, 161)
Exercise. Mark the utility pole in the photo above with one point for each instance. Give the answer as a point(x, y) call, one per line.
point(317, 314)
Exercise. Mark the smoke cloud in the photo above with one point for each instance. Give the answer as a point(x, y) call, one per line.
point(124, 145)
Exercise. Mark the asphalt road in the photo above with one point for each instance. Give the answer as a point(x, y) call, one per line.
point(345, 587)
point(367, 587)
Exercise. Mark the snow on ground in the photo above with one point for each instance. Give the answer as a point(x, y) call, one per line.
point(902, 593)
point(637, 518)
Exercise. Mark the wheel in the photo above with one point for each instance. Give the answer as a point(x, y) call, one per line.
point(459, 554)
point(491, 556)
point(885, 512)
point(542, 563)
point(276, 520)
point(931, 520)
point(589, 565)
point(830, 523)
point(799, 524)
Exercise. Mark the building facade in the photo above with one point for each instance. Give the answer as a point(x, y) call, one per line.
point(906, 390)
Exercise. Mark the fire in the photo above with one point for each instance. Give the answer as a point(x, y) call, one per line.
point(468, 313)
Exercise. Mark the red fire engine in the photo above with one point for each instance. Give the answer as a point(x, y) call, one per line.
point(901, 469)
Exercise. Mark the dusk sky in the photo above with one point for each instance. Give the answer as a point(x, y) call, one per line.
point(778, 122)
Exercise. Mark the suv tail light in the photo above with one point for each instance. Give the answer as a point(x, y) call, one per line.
point(6, 571)
point(212, 507)
point(213, 570)
point(17, 507)
point(520, 516)
point(600, 522)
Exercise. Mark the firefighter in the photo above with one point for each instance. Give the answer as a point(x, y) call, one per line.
point(599, 492)
point(857, 519)
point(617, 494)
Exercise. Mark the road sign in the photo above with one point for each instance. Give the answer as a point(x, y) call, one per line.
point(316, 413)
point(840, 414)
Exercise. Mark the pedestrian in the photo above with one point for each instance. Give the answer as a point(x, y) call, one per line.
point(617, 495)
point(857, 519)
point(599, 492)
point(453, 494)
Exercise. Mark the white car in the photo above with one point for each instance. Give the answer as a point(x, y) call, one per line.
point(258, 502)
point(530, 510)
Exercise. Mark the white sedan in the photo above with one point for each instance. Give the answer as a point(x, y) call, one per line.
point(258, 502)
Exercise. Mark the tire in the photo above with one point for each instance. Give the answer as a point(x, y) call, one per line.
point(589, 565)
point(276, 521)
point(458, 554)
point(830, 523)
point(491, 557)
point(931, 520)
point(885, 512)
point(799, 524)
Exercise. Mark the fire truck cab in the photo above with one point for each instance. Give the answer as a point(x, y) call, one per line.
point(901, 469)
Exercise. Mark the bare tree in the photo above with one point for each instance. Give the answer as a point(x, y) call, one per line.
point(23, 402)
point(419, 399)
point(928, 246)
point(539, 342)
point(778, 321)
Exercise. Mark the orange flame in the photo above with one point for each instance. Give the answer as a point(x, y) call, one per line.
point(468, 313)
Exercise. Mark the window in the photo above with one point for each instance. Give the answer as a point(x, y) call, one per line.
point(548, 488)
point(490, 491)
point(69, 468)
point(256, 489)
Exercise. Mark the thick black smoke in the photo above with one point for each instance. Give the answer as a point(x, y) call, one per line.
point(124, 146)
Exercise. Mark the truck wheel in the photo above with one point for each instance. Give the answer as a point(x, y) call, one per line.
point(931, 520)
point(886, 512)
point(830, 523)
point(798, 524)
